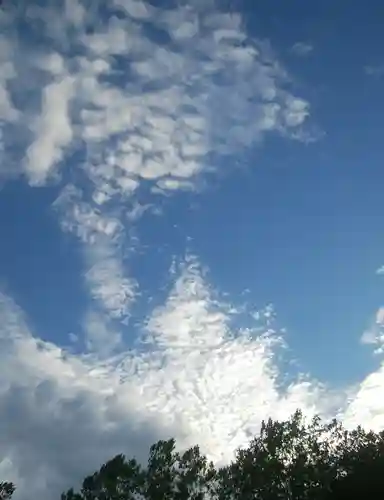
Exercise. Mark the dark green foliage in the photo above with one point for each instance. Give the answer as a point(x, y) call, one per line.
point(169, 475)
point(6, 490)
point(289, 460)
point(364, 481)
point(361, 469)
point(115, 481)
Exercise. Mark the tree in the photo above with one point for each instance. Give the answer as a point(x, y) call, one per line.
point(169, 475)
point(365, 481)
point(288, 460)
point(361, 467)
point(6, 490)
point(295, 460)
point(291, 460)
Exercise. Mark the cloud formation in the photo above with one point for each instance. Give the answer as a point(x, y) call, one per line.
point(201, 382)
point(132, 100)
point(302, 49)
point(116, 105)
point(156, 105)
point(192, 376)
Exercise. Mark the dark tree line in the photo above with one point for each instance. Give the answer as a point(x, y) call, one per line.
point(288, 460)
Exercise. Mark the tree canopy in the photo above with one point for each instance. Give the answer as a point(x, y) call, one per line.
point(291, 460)
point(6, 490)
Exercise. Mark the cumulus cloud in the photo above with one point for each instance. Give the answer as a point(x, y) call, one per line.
point(365, 405)
point(60, 415)
point(192, 376)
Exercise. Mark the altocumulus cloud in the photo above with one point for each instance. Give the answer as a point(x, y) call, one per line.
point(109, 101)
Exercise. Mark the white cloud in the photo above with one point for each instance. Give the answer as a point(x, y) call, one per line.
point(60, 415)
point(136, 9)
point(195, 378)
point(155, 116)
point(302, 48)
point(366, 406)
point(7, 110)
point(101, 235)
point(380, 316)
point(53, 131)
point(380, 270)
point(7, 71)
point(53, 63)
point(86, 221)
point(163, 108)
point(100, 337)
point(9, 115)
point(108, 282)
point(296, 111)
point(375, 334)
point(75, 12)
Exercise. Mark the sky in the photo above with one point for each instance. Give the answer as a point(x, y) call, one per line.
point(191, 226)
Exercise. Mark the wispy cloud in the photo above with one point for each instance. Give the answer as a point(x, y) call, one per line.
point(380, 270)
point(302, 49)
point(374, 70)
point(53, 131)
point(109, 283)
point(101, 235)
point(8, 112)
point(100, 336)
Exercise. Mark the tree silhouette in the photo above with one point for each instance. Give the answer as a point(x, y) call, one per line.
point(169, 475)
point(291, 460)
point(361, 471)
point(296, 459)
point(6, 490)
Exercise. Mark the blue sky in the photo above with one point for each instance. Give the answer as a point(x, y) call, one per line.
point(191, 222)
